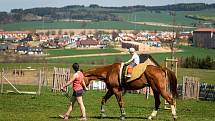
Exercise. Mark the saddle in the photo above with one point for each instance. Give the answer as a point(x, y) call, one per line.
point(135, 72)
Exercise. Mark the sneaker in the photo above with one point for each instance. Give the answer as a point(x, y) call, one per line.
point(83, 119)
point(64, 116)
point(86, 89)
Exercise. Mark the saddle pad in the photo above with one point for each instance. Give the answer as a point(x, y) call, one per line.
point(137, 71)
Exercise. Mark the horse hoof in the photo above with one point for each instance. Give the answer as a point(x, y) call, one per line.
point(175, 118)
point(150, 118)
point(103, 115)
point(122, 118)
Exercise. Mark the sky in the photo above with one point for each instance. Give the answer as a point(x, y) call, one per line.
point(7, 5)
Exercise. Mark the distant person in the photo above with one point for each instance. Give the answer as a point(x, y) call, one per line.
point(77, 81)
point(135, 60)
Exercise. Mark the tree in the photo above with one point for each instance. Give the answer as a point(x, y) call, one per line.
point(47, 33)
point(71, 33)
point(60, 32)
point(53, 32)
point(94, 6)
point(114, 35)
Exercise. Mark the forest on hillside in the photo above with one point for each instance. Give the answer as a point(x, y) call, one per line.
point(92, 12)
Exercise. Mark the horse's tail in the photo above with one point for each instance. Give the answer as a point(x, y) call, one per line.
point(172, 80)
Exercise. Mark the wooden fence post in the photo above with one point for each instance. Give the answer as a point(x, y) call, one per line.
point(39, 88)
point(174, 63)
point(2, 81)
point(190, 87)
point(60, 76)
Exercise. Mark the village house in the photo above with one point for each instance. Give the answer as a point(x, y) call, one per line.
point(22, 49)
point(204, 37)
point(35, 51)
point(87, 43)
point(3, 47)
point(43, 38)
point(12, 48)
point(29, 50)
point(141, 37)
point(17, 35)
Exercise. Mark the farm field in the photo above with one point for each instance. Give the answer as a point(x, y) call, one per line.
point(121, 25)
point(159, 57)
point(47, 107)
point(164, 17)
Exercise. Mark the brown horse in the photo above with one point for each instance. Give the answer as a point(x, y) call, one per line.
point(153, 76)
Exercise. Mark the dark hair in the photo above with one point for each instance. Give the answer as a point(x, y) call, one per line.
point(75, 66)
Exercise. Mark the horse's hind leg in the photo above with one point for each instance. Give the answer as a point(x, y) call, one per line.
point(168, 97)
point(157, 104)
point(104, 100)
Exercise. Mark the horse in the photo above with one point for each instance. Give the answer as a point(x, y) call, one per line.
point(18, 72)
point(156, 77)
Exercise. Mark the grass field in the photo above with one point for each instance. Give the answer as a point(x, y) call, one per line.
point(46, 107)
point(164, 17)
point(187, 51)
point(121, 25)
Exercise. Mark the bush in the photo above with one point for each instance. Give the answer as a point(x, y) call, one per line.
point(201, 63)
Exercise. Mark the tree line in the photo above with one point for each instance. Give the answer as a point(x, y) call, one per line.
point(194, 62)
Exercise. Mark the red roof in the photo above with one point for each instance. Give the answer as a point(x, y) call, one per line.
point(87, 42)
point(205, 30)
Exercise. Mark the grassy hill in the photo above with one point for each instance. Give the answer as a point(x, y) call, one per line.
point(164, 17)
point(142, 16)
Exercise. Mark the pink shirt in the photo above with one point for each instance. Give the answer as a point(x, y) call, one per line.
point(77, 83)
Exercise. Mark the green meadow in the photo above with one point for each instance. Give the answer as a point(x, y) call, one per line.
point(120, 25)
point(184, 51)
point(164, 17)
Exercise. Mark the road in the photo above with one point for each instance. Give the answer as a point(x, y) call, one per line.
point(87, 55)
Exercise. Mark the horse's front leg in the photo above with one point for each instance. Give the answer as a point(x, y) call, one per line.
point(104, 100)
point(119, 97)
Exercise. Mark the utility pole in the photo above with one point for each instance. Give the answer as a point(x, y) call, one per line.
point(173, 39)
point(173, 61)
